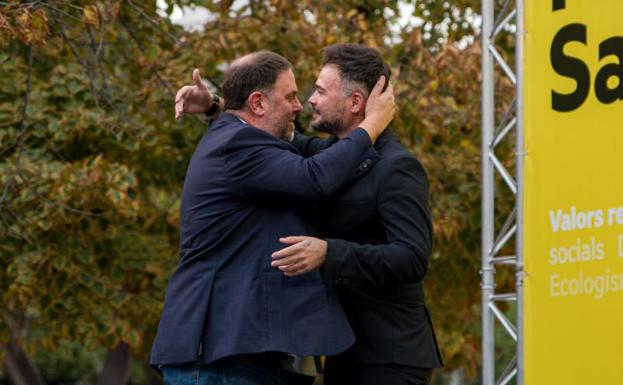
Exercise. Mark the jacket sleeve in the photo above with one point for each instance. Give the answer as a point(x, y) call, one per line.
point(403, 209)
point(311, 145)
point(266, 170)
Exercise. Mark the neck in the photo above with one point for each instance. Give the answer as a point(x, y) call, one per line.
point(248, 118)
point(258, 122)
point(349, 128)
point(241, 115)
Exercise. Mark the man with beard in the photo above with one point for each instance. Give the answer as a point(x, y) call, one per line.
point(229, 316)
point(378, 235)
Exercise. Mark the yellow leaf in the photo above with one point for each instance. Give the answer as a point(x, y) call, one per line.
point(434, 84)
point(90, 15)
point(5, 26)
point(352, 13)
point(23, 19)
point(362, 23)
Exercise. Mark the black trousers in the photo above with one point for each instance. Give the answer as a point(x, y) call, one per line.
point(338, 372)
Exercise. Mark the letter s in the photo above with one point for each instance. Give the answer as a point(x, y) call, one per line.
point(571, 67)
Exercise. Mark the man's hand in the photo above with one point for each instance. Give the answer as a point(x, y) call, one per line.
point(193, 99)
point(380, 109)
point(305, 254)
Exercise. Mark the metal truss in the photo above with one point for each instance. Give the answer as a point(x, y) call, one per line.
point(493, 134)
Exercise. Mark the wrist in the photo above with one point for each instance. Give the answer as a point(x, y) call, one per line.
point(214, 107)
point(371, 127)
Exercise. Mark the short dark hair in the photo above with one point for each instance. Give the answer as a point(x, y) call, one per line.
point(255, 72)
point(356, 63)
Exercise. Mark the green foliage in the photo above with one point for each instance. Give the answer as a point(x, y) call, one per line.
point(68, 363)
point(91, 173)
point(92, 161)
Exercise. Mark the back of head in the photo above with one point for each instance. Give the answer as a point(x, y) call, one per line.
point(253, 72)
point(357, 64)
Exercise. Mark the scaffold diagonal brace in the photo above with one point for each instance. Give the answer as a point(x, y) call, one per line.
point(510, 181)
point(510, 328)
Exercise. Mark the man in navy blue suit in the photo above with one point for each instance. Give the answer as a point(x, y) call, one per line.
point(378, 233)
point(228, 314)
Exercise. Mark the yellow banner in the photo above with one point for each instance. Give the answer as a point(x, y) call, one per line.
point(573, 192)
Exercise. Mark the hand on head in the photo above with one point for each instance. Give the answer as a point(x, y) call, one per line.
point(380, 109)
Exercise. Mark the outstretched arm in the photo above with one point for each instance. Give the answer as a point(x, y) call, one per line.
point(195, 99)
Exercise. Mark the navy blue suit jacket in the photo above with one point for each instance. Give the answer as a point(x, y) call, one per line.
point(240, 195)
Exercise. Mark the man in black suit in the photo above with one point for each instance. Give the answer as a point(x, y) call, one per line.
point(229, 316)
point(378, 234)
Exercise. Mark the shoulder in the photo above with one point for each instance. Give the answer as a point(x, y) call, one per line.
point(396, 159)
point(237, 135)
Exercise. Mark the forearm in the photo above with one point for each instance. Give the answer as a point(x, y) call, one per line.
point(386, 264)
point(277, 175)
point(311, 145)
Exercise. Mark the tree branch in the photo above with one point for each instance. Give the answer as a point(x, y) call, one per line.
point(98, 61)
point(155, 72)
point(82, 63)
point(22, 135)
point(154, 23)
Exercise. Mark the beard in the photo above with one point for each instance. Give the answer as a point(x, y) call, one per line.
point(332, 127)
point(286, 132)
point(281, 126)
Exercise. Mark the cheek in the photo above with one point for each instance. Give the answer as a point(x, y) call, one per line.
point(331, 108)
point(286, 111)
point(315, 97)
point(323, 103)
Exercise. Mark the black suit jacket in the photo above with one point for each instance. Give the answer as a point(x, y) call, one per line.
point(379, 234)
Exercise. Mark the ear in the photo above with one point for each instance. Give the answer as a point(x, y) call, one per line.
point(357, 102)
point(257, 103)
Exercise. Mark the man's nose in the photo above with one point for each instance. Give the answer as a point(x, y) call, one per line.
point(298, 107)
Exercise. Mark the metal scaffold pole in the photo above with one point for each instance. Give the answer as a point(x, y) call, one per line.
point(519, 60)
point(487, 272)
point(494, 23)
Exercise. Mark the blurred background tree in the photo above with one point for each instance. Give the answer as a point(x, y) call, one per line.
point(92, 161)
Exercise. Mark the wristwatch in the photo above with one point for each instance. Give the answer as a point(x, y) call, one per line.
point(214, 107)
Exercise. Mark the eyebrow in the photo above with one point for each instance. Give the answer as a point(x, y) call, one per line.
point(319, 87)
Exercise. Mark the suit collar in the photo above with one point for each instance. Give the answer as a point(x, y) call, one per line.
point(386, 137)
point(225, 119)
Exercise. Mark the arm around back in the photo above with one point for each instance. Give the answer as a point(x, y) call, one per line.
point(262, 168)
point(405, 217)
point(311, 145)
